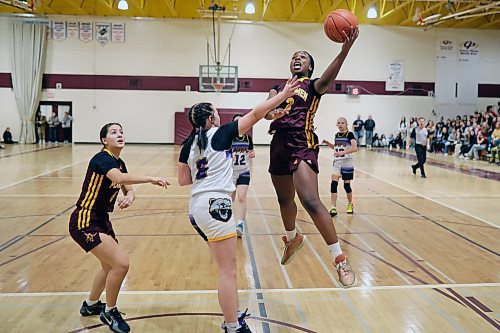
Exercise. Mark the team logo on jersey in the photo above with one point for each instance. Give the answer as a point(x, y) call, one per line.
point(220, 209)
point(89, 237)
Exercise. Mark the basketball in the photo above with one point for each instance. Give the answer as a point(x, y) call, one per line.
point(337, 21)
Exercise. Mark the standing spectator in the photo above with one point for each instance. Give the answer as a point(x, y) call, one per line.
point(53, 124)
point(407, 141)
point(41, 127)
point(369, 127)
point(420, 135)
point(7, 136)
point(403, 128)
point(358, 129)
point(66, 126)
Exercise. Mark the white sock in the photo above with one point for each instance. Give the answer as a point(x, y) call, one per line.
point(231, 327)
point(90, 303)
point(109, 308)
point(335, 249)
point(290, 235)
point(241, 221)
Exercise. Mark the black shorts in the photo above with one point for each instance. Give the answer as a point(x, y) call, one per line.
point(87, 236)
point(289, 148)
point(242, 178)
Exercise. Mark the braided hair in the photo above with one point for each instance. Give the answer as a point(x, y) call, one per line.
point(198, 115)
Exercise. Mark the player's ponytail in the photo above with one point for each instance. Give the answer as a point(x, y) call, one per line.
point(198, 115)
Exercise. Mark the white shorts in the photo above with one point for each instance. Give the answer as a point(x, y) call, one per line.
point(343, 168)
point(212, 216)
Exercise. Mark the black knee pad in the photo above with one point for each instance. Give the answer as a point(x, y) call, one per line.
point(347, 187)
point(333, 186)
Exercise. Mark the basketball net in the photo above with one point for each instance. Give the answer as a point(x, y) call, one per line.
point(218, 87)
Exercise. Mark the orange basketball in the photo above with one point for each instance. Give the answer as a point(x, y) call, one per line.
point(337, 21)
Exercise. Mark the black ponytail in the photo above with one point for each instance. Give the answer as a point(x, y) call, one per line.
point(198, 115)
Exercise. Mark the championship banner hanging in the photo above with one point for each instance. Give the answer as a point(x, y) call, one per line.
point(395, 80)
point(118, 32)
point(59, 31)
point(72, 29)
point(85, 31)
point(103, 32)
point(468, 51)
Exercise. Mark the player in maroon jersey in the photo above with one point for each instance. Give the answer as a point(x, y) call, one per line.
point(90, 227)
point(294, 156)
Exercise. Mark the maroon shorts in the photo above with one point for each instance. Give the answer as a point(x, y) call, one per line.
point(289, 148)
point(87, 234)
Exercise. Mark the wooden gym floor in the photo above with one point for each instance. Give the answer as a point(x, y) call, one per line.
point(426, 251)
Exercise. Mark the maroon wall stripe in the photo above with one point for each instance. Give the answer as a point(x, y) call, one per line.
point(178, 83)
point(5, 80)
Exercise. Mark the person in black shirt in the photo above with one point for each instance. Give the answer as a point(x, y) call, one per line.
point(357, 127)
point(90, 227)
point(7, 136)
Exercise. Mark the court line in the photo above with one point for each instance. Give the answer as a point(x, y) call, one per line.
point(430, 199)
point(42, 174)
point(295, 290)
point(446, 228)
point(31, 151)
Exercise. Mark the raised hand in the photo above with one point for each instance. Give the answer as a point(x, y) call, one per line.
point(350, 38)
point(290, 86)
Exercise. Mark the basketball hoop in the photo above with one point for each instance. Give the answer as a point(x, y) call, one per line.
point(218, 87)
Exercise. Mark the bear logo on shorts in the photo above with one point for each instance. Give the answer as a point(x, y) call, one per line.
point(220, 209)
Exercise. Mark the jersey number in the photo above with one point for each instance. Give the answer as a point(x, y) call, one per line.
point(239, 160)
point(202, 166)
point(289, 103)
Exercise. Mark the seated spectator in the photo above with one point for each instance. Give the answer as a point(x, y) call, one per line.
point(384, 141)
point(449, 144)
point(480, 145)
point(7, 136)
point(398, 142)
point(495, 143)
point(375, 141)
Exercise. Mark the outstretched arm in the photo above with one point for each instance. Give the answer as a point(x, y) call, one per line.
point(260, 111)
point(329, 144)
point(332, 71)
point(117, 177)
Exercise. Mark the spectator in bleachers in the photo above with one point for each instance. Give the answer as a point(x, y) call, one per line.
point(480, 145)
point(449, 144)
point(495, 144)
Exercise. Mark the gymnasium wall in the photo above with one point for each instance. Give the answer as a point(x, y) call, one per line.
point(172, 48)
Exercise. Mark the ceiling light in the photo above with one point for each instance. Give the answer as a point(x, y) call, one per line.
point(372, 13)
point(123, 5)
point(250, 8)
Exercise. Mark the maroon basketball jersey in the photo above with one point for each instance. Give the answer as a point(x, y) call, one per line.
point(98, 191)
point(302, 107)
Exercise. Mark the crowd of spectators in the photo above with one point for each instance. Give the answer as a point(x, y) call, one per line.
point(475, 136)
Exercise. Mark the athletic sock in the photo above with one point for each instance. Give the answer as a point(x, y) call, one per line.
point(335, 249)
point(109, 308)
point(90, 303)
point(290, 235)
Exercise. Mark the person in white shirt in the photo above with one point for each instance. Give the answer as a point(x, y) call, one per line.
point(205, 162)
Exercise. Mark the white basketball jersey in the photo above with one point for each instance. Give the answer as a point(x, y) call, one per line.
point(211, 170)
point(241, 153)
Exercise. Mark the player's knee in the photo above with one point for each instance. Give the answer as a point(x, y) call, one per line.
point(241, 200)
point(285, 200)
point(311, 205)
point(333, 186)
point(347, 187)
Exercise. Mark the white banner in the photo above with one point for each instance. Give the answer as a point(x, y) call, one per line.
point(59, 31)
point(468, 51)
point(446, 49)
point(103, 32)
point(118, 32)
point(85, 31)
point(395, 80)
point(72, 29)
